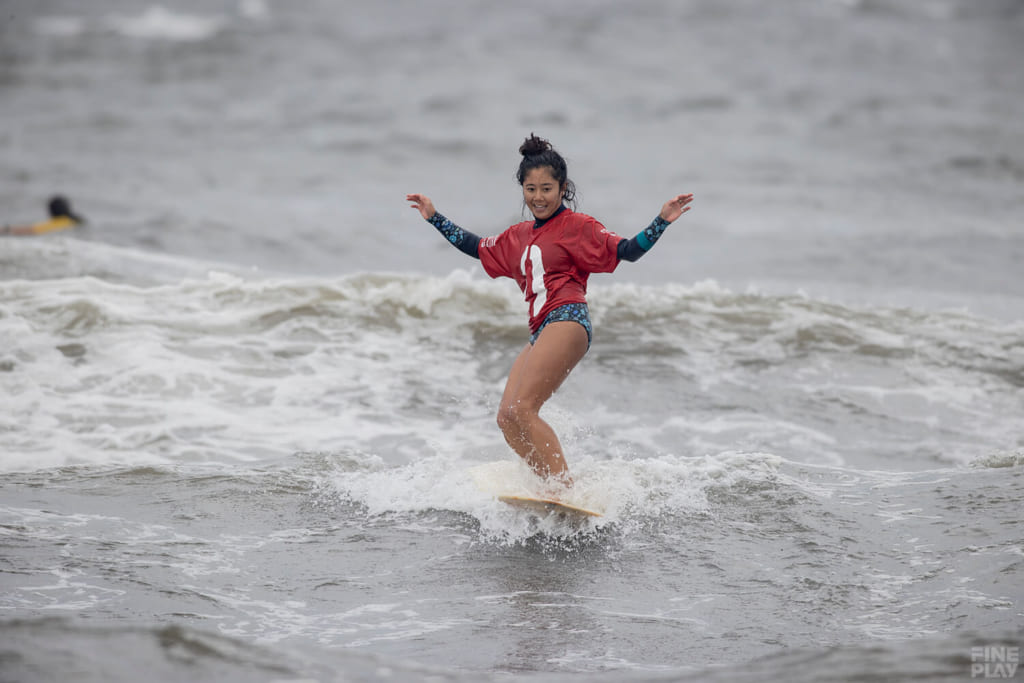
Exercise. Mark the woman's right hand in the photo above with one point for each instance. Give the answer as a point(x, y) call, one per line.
point(422, 203)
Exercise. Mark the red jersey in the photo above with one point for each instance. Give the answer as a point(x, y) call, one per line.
point(551, 263)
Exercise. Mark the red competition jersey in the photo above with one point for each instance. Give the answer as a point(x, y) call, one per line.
point(551, 263)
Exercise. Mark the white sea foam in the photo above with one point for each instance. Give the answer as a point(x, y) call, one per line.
point(158, 22)
point(254, 9)
point(627, 492)
point(234, 367)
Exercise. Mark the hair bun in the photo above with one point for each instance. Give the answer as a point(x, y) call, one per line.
point(534, 145)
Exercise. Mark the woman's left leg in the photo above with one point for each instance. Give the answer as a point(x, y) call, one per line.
point(536, 374)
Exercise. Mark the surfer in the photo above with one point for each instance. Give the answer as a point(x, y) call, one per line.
point(61, 218)
point(550, 258)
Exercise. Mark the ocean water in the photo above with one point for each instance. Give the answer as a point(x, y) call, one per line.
point(241, 408)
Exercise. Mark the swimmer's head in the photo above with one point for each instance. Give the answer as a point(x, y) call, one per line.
point(60, 207)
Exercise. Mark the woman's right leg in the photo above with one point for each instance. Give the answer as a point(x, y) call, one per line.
point(515, 437)
point(535, 375)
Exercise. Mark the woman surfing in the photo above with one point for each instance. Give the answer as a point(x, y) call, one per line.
point(550, 258)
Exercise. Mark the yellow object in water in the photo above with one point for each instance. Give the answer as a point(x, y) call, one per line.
point(61, 218)
point(53, 225)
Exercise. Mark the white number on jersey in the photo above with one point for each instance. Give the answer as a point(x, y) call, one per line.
point(536, 285)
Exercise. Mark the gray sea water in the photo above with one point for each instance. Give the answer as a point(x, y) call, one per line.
point(240, 409)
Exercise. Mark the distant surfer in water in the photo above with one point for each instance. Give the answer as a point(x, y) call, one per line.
point(550, 258)
point(61, 218)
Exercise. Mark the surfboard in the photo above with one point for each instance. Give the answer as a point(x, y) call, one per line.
point(544, 507)
point(512, 483)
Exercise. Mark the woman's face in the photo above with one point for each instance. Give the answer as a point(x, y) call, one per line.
point(541, 192)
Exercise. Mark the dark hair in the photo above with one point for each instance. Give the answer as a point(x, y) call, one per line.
point(60, 207)
point(537, 153)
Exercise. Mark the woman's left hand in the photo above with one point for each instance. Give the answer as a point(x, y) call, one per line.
point(676, 207)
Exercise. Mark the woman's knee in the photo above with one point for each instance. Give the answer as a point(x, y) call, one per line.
point(505, 418)
point(514, 415)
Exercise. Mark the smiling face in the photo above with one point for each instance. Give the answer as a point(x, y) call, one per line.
point(542, 193)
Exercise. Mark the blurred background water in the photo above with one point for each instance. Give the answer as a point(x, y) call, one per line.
point(239, 407)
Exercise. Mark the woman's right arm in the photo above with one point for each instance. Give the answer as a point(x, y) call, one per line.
point(463, 240)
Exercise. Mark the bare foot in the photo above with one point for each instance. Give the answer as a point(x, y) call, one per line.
point(556, 488)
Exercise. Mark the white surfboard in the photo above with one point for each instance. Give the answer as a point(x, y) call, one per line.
point(514, 484)
point(544, 507)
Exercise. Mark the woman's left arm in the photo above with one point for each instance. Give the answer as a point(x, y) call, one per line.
point(635, 247)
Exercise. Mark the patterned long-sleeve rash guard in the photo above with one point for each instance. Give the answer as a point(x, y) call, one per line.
point(628, 250)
